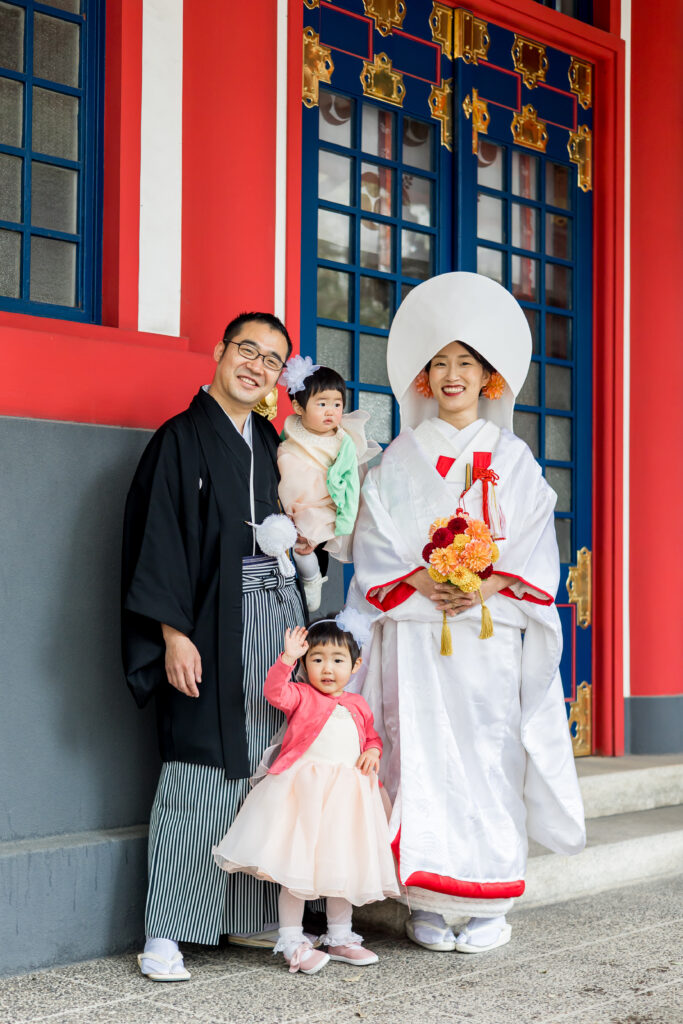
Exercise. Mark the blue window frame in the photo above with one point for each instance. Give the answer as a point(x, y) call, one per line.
point(582, 10)
point(379, 225)
point(51, 104)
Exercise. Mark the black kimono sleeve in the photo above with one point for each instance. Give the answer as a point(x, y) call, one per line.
point(159, 557)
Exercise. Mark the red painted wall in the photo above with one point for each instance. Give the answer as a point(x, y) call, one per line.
point(656, 346)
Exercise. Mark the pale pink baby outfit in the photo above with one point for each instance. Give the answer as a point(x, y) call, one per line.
point(316, 824)
point(303, 459)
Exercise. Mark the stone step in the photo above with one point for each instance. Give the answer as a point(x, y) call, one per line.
point(621, 849)
point(621, 785)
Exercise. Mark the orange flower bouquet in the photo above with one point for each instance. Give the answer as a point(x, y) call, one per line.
point(461, 552)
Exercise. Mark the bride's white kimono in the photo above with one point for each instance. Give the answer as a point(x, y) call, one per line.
point(477, 751)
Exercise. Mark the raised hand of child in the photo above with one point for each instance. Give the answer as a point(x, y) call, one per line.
point(369, 761)
point(296, 645)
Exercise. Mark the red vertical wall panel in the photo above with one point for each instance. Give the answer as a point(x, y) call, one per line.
point(656, 346)
point(229, 82)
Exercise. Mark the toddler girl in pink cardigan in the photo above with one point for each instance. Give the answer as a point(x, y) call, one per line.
point(316, 824)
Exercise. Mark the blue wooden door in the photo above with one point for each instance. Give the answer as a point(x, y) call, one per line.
point(434, 141)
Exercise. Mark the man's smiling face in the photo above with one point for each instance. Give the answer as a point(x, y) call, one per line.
point(241, 381)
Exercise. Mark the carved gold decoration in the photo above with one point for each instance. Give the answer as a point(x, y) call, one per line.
point(318, 67)
point(581, 81)
point(441, 107)
point(580, 717)
point(477, 108)
point(387, 14)
point(380, 81)
point(579, 587)
point(441, 24)
point(580, 148)
point(530, 59)
point(311, 4)
point(268, 406)
point(471, 39)
point(528, 129)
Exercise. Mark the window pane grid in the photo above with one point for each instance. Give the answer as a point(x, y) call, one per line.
point(53, 152)
point(404, 212)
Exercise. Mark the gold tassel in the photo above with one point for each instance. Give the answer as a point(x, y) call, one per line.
point(486, 621)
point(446, 639)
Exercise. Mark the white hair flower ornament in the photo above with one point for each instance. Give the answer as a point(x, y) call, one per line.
point(350, 620)
point(297, 370)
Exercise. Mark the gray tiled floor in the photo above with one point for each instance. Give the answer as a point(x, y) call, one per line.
point(612, 959)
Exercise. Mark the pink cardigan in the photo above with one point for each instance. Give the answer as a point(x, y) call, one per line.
point(307, 710)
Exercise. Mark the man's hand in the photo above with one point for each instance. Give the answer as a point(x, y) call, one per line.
point(369, 761)
point(183, 661)
point(296, 645)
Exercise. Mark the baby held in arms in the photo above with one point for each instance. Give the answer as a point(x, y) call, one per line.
point(321, 459)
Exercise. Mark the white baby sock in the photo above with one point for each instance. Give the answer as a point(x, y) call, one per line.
point(307, 565)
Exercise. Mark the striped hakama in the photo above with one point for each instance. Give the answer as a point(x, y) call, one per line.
point(189, 898)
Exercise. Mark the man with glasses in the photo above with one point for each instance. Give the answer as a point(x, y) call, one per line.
point(203, 617)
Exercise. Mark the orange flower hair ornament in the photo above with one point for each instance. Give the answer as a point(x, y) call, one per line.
point(422, 385)
point(461, 552)
point(495, 387)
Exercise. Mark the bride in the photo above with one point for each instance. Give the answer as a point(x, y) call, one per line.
point(478, 755)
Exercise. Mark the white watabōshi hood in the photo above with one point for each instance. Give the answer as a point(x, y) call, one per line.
point(462, 307)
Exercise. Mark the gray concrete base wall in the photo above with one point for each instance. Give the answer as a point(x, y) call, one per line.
point(78, 761)
point(76, 756)
point(654, 725)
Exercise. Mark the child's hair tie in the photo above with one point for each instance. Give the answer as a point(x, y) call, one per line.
point(297, 370)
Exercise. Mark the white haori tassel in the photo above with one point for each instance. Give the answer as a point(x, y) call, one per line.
point(275, 535)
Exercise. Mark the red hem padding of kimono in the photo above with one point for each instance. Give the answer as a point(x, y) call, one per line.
point(456, 886)
point(506, 592)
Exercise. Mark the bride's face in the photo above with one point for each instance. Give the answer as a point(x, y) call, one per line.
point(456, 378)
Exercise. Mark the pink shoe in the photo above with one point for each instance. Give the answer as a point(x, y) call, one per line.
point(306, 959)
point(353, 954)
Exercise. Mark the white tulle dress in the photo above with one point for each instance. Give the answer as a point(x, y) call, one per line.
point(320, 827)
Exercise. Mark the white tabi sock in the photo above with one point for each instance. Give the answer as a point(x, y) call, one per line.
point(427, 918)
point(165, 948)
point(482, 931)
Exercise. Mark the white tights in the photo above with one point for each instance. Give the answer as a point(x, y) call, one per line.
point(307, 565)
point(291, 916)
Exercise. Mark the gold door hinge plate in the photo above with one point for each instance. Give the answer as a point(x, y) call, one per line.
point(471, 39)
point(530, 60)
point(477, 108)
point(580, 717)
point(441, 108)
point(579, 587)
point(528, 129)
point(580, 149)
point(581, 81)
point(318, 67)
point(441, 24)
point(387, 14)
point(380, 81)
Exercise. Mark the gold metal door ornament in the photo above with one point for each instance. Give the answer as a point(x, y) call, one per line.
point(268, 406)
point(387, 14)
point(580, 587)
point(441, 109)
point(580, 148)
point(380, 81)
point(441, 24)
point(530, 59)
point(311, 4)
point(580, 716)
point(471, 39)
point(528, 129)
point(318, 67)
point(581, 81)
point(478, 110)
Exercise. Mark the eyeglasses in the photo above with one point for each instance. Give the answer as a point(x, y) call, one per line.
point(251, 352)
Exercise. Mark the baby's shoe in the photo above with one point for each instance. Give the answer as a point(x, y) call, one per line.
point(306, 959)
point(313, 589)
point(348, 949)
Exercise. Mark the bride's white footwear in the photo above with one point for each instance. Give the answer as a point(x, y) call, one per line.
point(465, 943)
point(429, 934)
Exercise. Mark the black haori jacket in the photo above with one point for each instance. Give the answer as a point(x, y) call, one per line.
point(185, 534)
